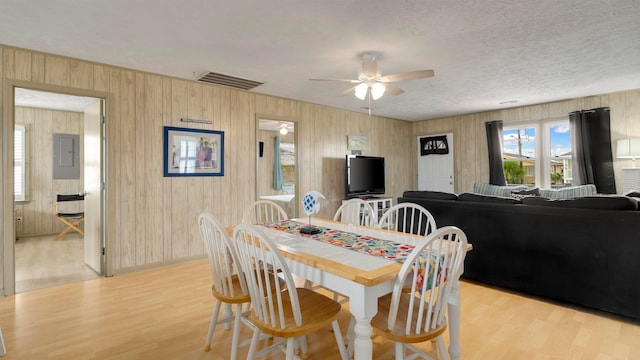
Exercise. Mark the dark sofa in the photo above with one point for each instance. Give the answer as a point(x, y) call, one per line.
point(584, 252)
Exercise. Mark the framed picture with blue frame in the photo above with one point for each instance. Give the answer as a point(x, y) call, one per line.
point(193, 152)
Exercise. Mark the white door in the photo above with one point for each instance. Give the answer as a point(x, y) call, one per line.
point(435, 171)
point(92, 186)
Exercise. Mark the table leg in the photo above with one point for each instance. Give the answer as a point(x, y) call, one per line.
point(363, 346)
point(454, 321)
point(363, 308)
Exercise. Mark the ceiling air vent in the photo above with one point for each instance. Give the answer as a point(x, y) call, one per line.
point(230, 81)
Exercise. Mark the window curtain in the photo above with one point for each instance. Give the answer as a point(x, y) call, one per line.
point(591, 149)
point(278, 178)
point(494, 142)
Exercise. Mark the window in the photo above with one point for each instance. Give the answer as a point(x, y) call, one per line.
point(19, 161)
point(558, 157)
point(519, 155)
point(538, 154)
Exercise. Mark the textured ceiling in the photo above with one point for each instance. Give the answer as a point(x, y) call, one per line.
point(484, 53)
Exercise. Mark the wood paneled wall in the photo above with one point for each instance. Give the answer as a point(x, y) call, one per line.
point(471, 158)
point(37, 212)
point(151, 219)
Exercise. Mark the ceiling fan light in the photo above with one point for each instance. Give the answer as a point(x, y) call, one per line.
point(377, 90)
point(361, 91)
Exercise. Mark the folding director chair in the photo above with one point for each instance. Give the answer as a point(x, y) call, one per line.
point(71, 219)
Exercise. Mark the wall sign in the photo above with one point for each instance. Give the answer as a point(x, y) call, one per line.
point(434, 145)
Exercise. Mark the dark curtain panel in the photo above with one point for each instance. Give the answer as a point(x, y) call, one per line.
point(591, 142)
point(494, 142)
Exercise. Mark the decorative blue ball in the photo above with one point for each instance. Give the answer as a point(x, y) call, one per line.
point(309, 203)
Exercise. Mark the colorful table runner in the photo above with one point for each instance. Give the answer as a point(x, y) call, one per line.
point(361, 243)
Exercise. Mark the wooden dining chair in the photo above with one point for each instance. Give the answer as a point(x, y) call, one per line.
point(289, 313)
point(418, 315)
point(228, 287)
point(71, 219)
point(263, 211)
point(356, 211)
point(408, 218)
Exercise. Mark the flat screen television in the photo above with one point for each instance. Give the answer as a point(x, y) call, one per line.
point(364, 176)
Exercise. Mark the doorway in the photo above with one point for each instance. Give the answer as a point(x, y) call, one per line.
point(39, 259)
point(277, 163)
point(435, 163)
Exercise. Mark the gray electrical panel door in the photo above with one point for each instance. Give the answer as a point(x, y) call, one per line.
point(66, 156)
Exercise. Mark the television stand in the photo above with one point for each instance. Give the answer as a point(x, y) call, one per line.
point(367, 197)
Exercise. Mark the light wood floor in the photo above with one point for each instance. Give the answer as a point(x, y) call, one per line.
point(164, 314)
point(42, 262)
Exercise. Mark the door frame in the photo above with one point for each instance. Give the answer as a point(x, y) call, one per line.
point(8, 124)
point(259, 179)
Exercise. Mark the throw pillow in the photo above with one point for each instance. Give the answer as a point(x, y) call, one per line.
point(569, 192)
point(496, 190)
point(521, 194)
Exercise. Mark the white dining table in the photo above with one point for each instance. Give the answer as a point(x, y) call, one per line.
point(363, 278)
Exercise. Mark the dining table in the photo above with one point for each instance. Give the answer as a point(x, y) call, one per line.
point(358, 262)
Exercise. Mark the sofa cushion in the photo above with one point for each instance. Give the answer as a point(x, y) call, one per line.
point(496, 190)
point(570, 192)
point(487, 199)
point(586, 202)
point(436, 195)
point(521, 194)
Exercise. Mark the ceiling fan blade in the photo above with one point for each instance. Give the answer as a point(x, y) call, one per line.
point(349, 90)
point(410, 75)
point(353, 81)
point(392, 89)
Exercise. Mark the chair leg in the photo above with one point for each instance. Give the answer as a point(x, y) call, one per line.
point(349, 339)
point(71, 225)
point(398, 350)
point(302, 351)
point(212, 325)
point(254, 343)
point(291, 344)
point(236, 332)
point(411, 352)
point(339, 341)
point(63, 233)
point(227, 314)
point(442, 349)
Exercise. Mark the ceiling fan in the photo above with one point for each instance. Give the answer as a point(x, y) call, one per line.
point(373, 85)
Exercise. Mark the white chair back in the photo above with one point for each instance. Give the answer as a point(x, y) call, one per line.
point(263, 211)
point(431, 270)
point(223, 260)
point(357, 212)
point(260, 259)
point(408, 218)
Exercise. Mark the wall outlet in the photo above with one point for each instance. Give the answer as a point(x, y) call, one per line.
point(18, 219)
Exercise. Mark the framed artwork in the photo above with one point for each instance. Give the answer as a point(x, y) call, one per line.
point(193, 152)
point(356, 142)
